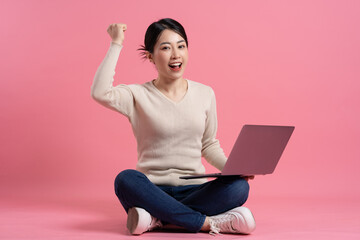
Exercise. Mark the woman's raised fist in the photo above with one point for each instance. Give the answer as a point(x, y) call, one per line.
point(116, 32)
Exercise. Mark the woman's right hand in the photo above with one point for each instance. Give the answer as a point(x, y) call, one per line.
point(116, 32)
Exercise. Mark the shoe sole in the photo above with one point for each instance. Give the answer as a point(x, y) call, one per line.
point(132, 221)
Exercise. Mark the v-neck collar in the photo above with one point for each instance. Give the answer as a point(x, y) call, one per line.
point(167, 98)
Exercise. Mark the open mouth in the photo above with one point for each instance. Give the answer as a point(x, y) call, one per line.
point(175, 66)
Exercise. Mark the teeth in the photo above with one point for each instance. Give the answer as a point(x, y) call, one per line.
point(175, 64)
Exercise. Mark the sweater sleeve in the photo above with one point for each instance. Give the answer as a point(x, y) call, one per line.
point(211, 149)
point(118, 98)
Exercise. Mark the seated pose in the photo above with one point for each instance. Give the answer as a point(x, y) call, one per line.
point(174, 122)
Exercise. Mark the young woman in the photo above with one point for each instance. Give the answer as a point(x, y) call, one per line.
point(174, 122)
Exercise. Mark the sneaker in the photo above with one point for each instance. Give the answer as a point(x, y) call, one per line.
point(237, 220)
point(140, 221)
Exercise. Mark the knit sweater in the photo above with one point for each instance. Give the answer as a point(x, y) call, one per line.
point(171, 136)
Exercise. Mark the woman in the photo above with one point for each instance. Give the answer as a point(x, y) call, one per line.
point(174, 122)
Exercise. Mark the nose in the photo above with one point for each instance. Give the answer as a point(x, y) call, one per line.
point(175, 53)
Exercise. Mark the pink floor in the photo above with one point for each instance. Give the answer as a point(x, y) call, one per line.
point(77, 218)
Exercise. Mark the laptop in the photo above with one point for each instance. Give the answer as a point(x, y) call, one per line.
point(256, 151)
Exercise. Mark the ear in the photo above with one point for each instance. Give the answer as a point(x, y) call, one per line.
point(150, 57)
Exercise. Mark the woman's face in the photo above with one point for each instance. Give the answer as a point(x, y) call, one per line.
point(170, 55)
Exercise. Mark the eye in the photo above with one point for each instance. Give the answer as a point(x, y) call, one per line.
point(182, 46)
point(165, 48)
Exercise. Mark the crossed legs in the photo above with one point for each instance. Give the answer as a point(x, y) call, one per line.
point(184, 206)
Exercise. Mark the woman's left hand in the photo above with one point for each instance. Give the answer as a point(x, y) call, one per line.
point(247, 178)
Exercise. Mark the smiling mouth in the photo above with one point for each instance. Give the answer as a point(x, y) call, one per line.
point(175, 66)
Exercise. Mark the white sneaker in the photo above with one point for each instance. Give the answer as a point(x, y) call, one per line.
point(237, 220)
point(140, 221)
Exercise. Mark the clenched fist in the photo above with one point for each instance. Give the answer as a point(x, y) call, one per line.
point(116, 32)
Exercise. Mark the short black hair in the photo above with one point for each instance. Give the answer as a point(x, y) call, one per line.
point(155, 29)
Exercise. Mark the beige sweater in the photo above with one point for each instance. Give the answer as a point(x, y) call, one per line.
point(171, 136)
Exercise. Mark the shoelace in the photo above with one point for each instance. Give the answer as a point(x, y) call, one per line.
point(221, 223)
point(155, 223)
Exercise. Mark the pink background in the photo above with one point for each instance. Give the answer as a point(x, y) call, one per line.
point(269, 62)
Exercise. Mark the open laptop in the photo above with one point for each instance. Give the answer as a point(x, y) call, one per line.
point(256, 151)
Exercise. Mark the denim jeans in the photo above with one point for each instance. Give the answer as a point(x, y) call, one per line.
point(184, 206)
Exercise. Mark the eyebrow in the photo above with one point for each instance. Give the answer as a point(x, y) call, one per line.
point(170, 43)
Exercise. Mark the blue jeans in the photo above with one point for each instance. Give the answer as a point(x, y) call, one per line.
point(184, 206)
